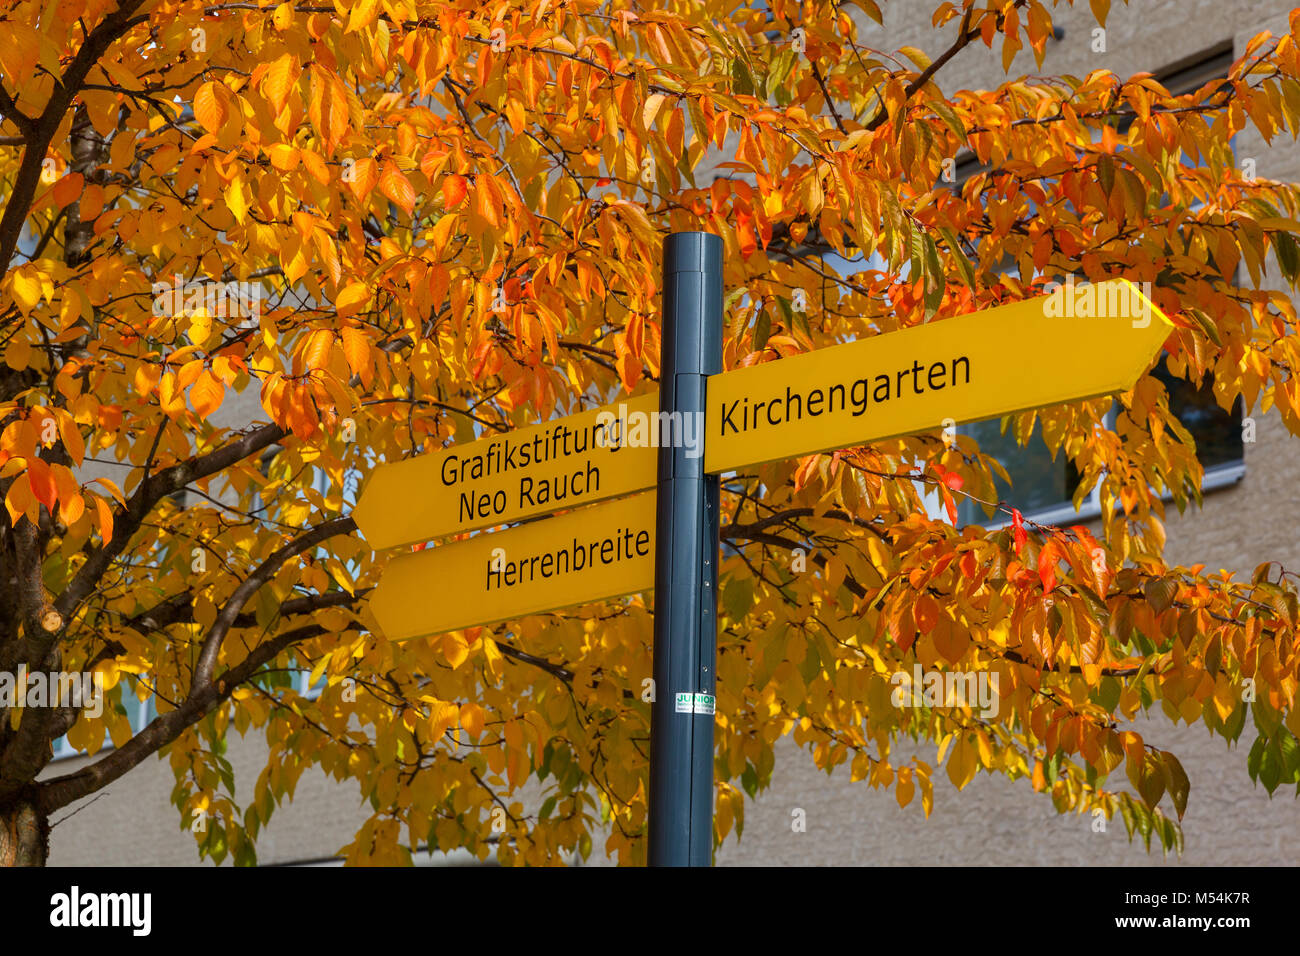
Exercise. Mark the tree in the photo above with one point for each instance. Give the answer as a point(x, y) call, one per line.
point(443, 219)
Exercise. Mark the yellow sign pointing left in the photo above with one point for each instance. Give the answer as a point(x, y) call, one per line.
point(586, 555)
point(565, 463)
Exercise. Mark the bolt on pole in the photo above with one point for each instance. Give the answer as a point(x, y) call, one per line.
point(686, 561)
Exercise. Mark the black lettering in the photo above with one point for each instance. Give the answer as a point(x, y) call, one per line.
point(830, 403)
point(815, 399)
point(449, 460)
point(936, 367)
point(798, 401)
point(771, 405)
point(643, 543)
point(881, 380)
point(466, 505)
point(964, 361)
point(726, 417)
point(606, 549)
point(916, 382)
point(526, 492)
point(859, 401)
point(548, 560)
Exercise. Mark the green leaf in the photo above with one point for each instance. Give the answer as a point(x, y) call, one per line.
point(1255, 757)
point(1288, 255)
point(738, 597)
point(548, 805)
point(1106, 173)
point(1152, 784)
point(742, 82)
point(1270, 766)
point(762, 329)
point(959, 257)
point(1176, 782)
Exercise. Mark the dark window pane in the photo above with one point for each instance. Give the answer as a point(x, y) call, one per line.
point(1217, 433)
point(1037, 482)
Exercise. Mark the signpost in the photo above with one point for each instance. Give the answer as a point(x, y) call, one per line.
point(686, 571)
point(1078, 343)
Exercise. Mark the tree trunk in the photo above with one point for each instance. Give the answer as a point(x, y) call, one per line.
point(24, 834)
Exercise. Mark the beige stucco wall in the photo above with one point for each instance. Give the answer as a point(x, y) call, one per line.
point(1229, 820)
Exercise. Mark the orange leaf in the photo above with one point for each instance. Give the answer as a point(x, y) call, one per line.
point(328, 108)
point(207, 394)
point(105, 518)
point(356, 349)
point(67, 189)
point(212, 106)
point(316, 354)
point(42, 481)
point(453, 191)
point(279, 80)
point(395, 185)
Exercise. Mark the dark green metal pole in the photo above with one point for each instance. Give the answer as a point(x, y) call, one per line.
point(686, 561)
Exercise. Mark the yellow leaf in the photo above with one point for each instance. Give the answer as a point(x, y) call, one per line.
point(27, 289)
point(905, 788)
point(235, 199)
point(962, 764)
point(212, 106)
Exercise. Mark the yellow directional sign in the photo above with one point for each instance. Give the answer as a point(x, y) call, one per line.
point(534, 470)
point(1080, 342)
point(586, 555)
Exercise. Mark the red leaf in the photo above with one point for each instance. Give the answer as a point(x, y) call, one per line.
point(1047, 559)
point(1018, 526)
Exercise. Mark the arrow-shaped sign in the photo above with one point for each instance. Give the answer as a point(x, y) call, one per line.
point(1080, 342)
point(565, 463)
point(586, 555)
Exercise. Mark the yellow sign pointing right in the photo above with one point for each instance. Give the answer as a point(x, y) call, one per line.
point(1080, 342)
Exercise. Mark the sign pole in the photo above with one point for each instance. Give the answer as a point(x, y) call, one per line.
point(686, 561)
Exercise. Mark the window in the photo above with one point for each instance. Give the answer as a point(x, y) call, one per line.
point(1042, 486)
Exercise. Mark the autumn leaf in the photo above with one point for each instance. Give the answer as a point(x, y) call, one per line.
point(453, 191)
